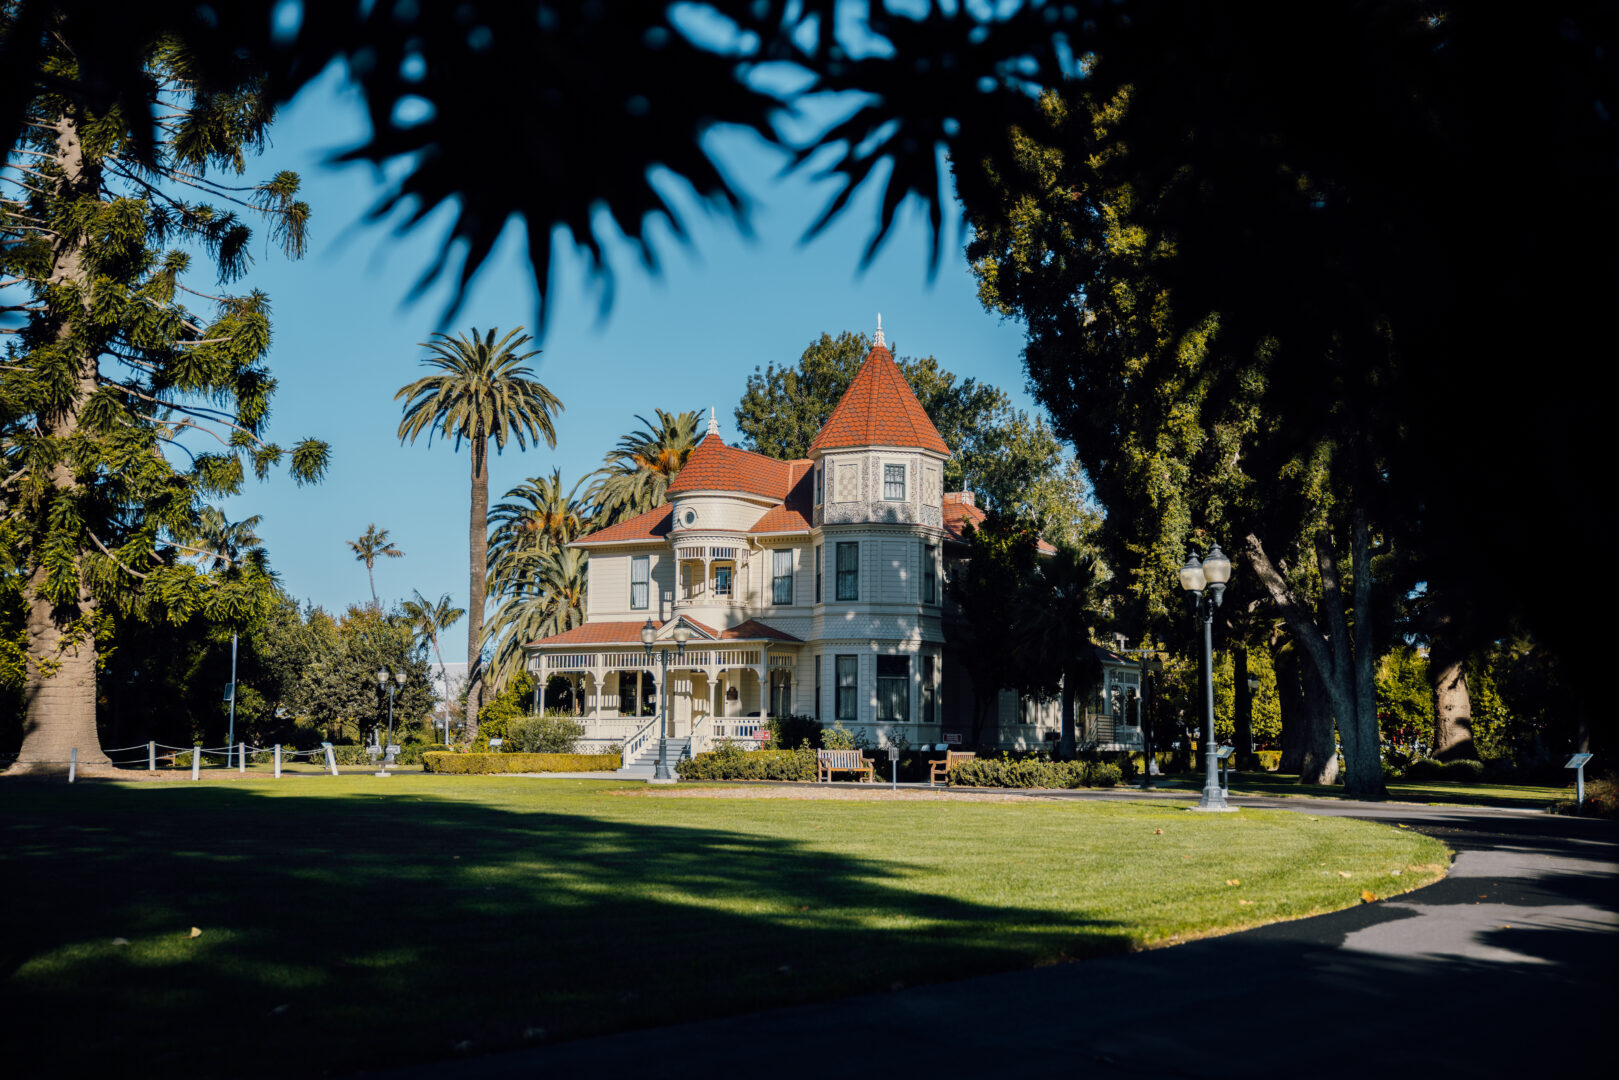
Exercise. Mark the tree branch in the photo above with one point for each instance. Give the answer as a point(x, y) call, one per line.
point(114, 558)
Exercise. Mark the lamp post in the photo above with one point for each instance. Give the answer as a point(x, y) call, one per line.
point(1204, 581)
point(681, 635)
point(383, 679)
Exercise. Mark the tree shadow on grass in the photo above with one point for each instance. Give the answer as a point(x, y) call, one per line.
point(345, 931)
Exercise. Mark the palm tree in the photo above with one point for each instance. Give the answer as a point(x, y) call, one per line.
point(220, 543)
point(372, 543)
point(480, 391)
point(537, 513)
point(1055, 608)
point(546, 597)
point(639, 470)
point(427, 621)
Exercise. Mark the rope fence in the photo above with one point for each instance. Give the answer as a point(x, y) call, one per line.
point(179, 756)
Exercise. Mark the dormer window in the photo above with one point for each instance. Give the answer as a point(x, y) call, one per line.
point(893, 482)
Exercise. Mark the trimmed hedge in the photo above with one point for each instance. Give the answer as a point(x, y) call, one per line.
point(519, 763)
point(1465, 770)
point(1031, 773)
point(733, 763)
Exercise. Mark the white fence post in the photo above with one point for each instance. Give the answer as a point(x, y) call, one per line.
point(72, 764)
point(196, 761)
point(241, 757)
point(151, 757)
point(331, 758)
point(278, 761)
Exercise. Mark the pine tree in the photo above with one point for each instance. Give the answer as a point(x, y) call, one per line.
point(120, 369)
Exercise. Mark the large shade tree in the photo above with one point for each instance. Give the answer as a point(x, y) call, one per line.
point(133, 386)
point(480, 393)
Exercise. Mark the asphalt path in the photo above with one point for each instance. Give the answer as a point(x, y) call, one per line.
point(1507, 967)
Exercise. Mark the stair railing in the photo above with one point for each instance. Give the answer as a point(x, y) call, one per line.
point(635, 743)
point(700, 739)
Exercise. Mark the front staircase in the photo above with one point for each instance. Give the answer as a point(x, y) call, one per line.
point(646, 762)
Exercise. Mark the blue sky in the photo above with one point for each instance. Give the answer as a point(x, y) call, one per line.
point(346, 338)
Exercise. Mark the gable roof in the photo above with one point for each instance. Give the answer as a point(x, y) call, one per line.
point(793, 515)
point(713, 466)
point(652, 525)
point(878, 409)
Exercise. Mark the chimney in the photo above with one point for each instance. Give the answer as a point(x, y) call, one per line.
point(970, 498)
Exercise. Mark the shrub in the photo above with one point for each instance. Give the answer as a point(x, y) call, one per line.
point(839, 737)
point(791, 732)
point(519, 763)
point(730, 762)
point(1022, 773)
point(1464, 769)
point(1424, 768)
point(1269, 760)
point(1103, 774)
point(542, 735)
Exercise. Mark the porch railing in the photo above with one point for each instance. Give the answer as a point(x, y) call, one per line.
point(637, 661)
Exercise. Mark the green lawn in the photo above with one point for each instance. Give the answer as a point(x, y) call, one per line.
point(353, 922)
point(1444, 792)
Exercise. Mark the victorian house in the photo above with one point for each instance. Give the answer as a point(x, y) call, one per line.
point(813, 586)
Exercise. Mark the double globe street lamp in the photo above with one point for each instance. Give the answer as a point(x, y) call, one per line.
point(681, 634)
point(1204, 581)
point(383, 679)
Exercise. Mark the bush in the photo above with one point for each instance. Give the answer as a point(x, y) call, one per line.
point(792, 732)
point(1464, 769)
point(733, 763)
point(542, 735)
point(1031, 772)
point(1601, 799)
point(1269, 760)
point(1424, 768)
point(1103, 774)
point(519, 763)
point(839, 737)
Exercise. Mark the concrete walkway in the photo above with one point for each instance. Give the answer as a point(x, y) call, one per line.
point(1507, 967)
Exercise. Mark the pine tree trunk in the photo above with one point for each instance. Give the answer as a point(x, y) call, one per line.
point(1452, 708)
point(60, 685)
point(478, 543)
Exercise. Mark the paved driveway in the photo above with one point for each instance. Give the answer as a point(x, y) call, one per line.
point(1508, 967)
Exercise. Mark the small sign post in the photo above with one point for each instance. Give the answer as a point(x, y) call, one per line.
point(1223, 754)
point(331, 758)
point(1577, 763)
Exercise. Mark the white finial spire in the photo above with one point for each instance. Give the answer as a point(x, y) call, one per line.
point(877, 342)
point(713, 424)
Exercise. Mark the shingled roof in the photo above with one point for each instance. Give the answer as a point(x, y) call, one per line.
point(878, 409)
point(713, 466)
point(652, 525)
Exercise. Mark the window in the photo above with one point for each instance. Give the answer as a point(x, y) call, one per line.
point(930, 691)
point(849, 571)
point(894, 688)
point(930, 574)
point(782, 575)
point(817, 688)
point(820, 484)
point(820, 554)
point(640, 582)
point(848, 684)
point(722, 581)
point(893, 481)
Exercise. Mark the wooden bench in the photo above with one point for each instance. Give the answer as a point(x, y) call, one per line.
point(942, 767)
point(828, 762)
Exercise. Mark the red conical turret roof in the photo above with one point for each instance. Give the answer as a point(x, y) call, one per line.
point(878, 409)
